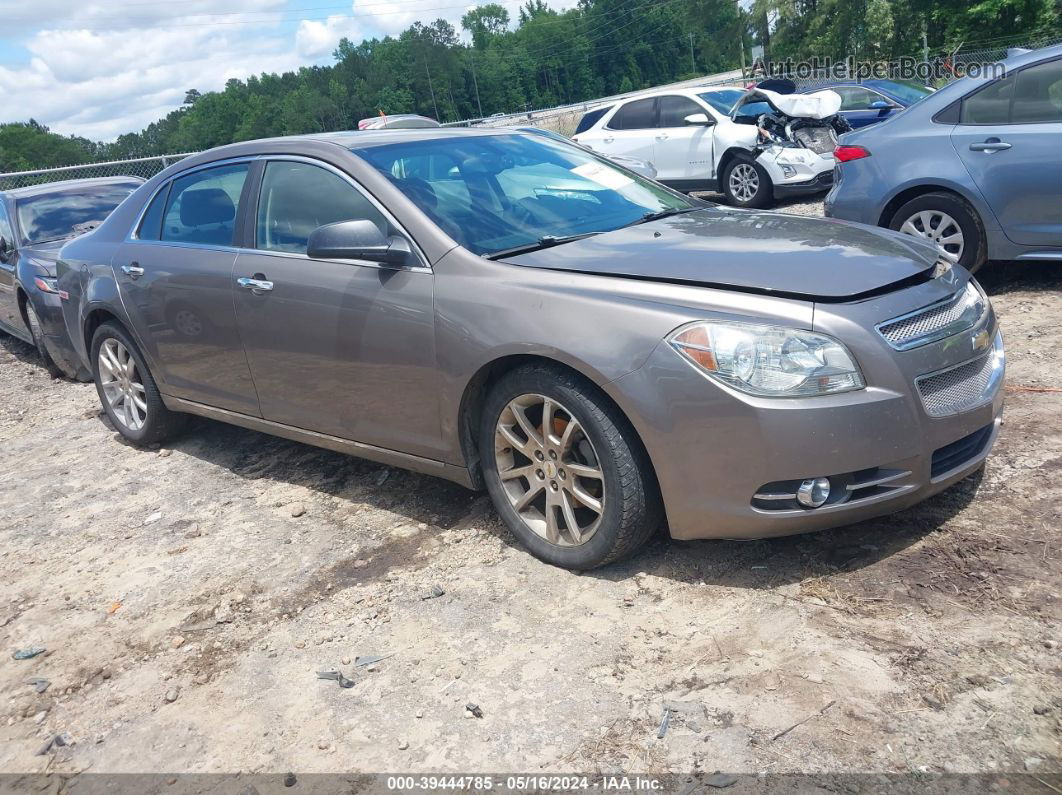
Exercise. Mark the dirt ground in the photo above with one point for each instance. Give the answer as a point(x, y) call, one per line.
point(188, 596)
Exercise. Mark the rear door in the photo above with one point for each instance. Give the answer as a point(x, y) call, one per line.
point(341, 347)
point(630, 131)
point(1008, 137)
point(681, 151)
point(175, 277)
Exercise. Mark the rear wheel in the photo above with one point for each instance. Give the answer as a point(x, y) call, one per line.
point(948, 221)
point(34, 324)
point(746, 183)
point(565, 470)
point(127, 391)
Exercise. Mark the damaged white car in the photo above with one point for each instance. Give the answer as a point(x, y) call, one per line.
point(753, 145)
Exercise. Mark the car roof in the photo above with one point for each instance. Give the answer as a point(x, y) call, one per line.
point(69, 185)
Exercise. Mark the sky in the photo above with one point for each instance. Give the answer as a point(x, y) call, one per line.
point(100, 68)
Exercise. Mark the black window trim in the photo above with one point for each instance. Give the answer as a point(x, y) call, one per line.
point(1010, 111)
point(251, 219)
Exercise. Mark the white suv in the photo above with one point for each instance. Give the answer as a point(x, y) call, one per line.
point(754, 145)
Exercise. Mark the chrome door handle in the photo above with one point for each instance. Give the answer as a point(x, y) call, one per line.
point(256, 286)
point(662, 137)
point(608, 140)
point(133, 270)
point(990, 146)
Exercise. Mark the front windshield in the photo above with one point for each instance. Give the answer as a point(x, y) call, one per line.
point(500, 192)
point(54, 216)
point(723, 101)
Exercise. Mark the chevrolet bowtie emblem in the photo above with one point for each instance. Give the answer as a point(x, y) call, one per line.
point(981, 340)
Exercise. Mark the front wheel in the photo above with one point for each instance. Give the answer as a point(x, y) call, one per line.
point(34, 324)
point(747, 184)
point(949, 222)
point(565, 469)
point(127, 390)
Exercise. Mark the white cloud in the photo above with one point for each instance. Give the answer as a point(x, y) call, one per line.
point(315, 38)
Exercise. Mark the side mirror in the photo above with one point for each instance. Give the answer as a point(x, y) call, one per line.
point(880, 104)
point(699, 119)
point(5, 250)
point(357, 240)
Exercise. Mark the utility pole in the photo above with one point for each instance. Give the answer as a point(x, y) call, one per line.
point(472, 55)
point(432, 90)
point(925, 44)
point(693, 63)
point(741, 37)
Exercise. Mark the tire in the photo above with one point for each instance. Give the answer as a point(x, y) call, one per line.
point(744, 165)
point(34, 324)
point(600, 440)
point(147, 420)
point(914, 216)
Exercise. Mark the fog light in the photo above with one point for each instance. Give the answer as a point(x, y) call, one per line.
point(788, 172)
point(813, 492)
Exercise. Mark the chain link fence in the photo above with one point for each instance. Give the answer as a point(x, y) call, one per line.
point(145, 167)
point(562, 118)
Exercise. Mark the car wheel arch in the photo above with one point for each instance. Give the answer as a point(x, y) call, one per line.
point(478, 387)
point(901, 197)
point(726, 157)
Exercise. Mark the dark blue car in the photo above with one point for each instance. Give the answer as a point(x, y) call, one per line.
point(870, 101)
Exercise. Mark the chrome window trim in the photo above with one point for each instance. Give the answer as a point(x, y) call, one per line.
point(131, 235)
point(423, 266)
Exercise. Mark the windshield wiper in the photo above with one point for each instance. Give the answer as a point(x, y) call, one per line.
point(656, 215)
point(549, 241)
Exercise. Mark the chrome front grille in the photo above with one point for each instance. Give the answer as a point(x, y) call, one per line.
point(943, 319)
point(963, 387)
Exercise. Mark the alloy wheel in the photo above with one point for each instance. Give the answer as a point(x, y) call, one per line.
point(940, 228)
point(549, 470)
point(122, 387)
point(744, 182)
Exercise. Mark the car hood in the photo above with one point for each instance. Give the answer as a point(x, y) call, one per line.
point(818, 105)
point(818, 259)
point(43, 255)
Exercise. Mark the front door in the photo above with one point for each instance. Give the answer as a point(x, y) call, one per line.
point(681, 151)
point(1008, 138)
point(175, 277)
point(10, 316)
point(344, 348)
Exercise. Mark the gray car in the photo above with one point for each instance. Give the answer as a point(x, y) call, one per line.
point(602, 354)
point(976, 168)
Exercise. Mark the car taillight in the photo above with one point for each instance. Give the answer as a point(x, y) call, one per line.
point(845, 153)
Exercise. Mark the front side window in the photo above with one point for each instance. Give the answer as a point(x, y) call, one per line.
point(856, 98)
point(637, 115)
point(297, 198)
point(500, 192)
point(66, 213)
point(202, 206)
point(1038, 94)
point(5, 228)
point(674, 110)
point(724, 100)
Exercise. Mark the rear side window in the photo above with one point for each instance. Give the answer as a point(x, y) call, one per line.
point(674, 110)
point(151, 223)
point(297, 198)
point(990, 105)
point(591, 118)
point(202, 206)
point(637, 115)
point(1038, 94)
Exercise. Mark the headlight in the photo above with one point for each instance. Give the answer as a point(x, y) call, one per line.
point(769, 361)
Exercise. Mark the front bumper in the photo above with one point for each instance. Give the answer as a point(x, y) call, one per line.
point(796, 171)
point(714, 449)
point(56, 340)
